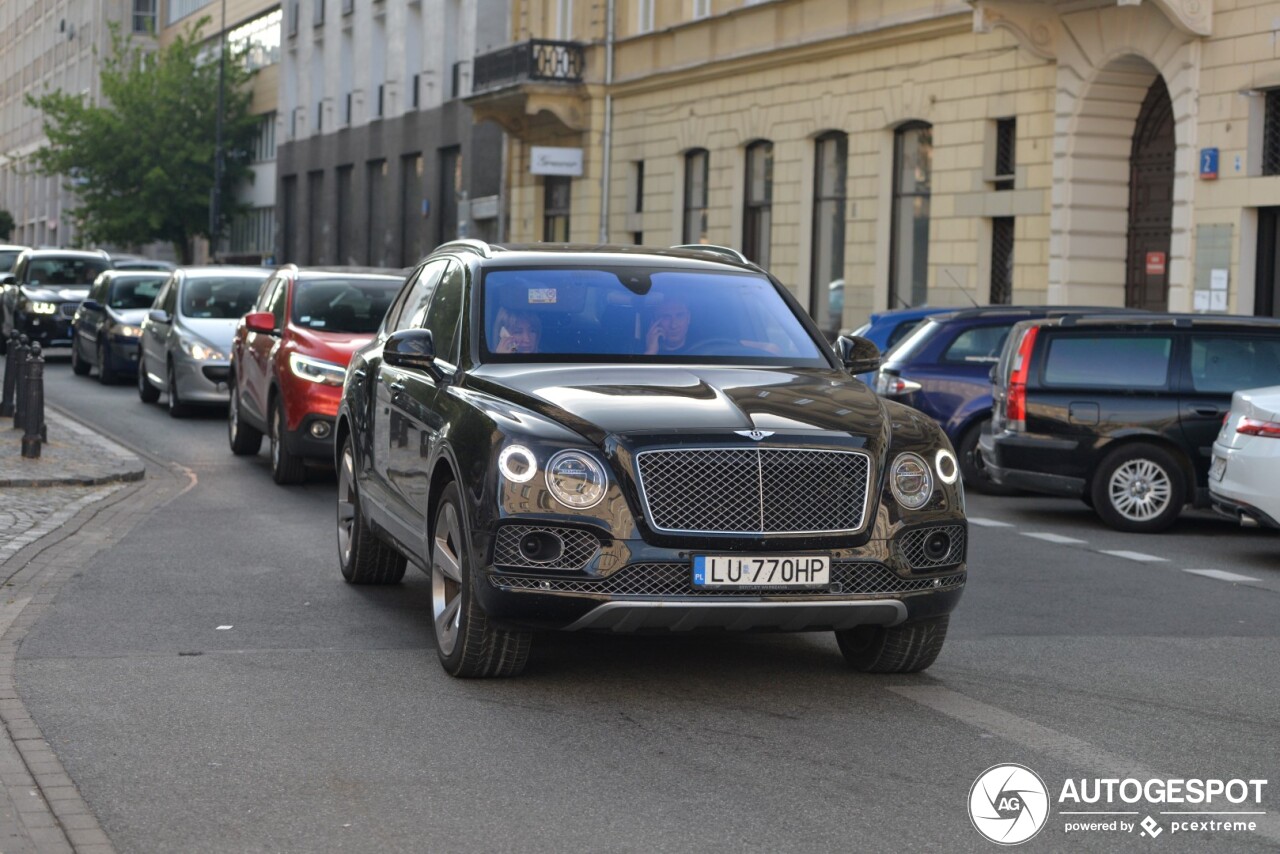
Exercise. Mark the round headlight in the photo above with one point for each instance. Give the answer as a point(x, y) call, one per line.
point(945, 462)
point(576, 479)
point(517, 464)
point(911, 481)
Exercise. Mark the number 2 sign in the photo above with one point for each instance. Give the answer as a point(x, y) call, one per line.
point(1208, 164)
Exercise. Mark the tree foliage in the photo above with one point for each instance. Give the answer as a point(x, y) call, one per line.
point(6, 224)
point(141, 165)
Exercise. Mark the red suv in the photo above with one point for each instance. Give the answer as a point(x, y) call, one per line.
point(290, 356)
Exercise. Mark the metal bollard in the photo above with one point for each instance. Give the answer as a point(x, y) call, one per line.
point(33, 404)
point(20, 381)
point(10, 376)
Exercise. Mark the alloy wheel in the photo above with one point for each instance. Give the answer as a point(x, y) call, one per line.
point(446, 579)
point(275, 439)
point(1140, 490)
point(346, 505)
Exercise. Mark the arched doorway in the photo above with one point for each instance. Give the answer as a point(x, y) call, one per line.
point(1150, 202)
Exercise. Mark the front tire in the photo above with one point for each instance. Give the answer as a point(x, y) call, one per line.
point(147, 393)
point(177, 409)
point(244, 439)
point(286, 467)
point(362, 557)
point(972, 468)
point(468, 645)
point(106, 373)
point(908, 648)
point(79, 366)
point(1139, 488)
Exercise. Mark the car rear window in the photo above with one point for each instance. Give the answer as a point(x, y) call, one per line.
point(902, 330)
point(354, 306)
point(7, 259)
point(134, 292)
point(907, 347)
point(979, 345)
point(1227, 363)
point(1108, 361)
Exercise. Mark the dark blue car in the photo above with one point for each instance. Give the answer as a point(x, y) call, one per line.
point(106, 328)
point(887, 328)
point(943, 369)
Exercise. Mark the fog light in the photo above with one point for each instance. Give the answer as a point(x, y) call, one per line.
point(541, 547)
point(937, 545)
point(320, 429)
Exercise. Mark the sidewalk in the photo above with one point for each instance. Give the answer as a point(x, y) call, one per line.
point(43, 503)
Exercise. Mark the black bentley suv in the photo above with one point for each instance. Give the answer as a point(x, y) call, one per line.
point(632, 440)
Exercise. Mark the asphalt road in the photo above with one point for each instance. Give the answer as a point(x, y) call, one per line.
point(321, 721)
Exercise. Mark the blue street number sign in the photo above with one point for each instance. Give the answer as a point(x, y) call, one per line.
point(1208, 164)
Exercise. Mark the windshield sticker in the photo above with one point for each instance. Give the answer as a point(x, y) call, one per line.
point(544, 296)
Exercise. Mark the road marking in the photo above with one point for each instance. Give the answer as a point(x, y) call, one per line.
point(1051, 538)
point(1051, 742)
point(223, 628)
point(1220, 575)
point(1138, 556)
point(988, 523)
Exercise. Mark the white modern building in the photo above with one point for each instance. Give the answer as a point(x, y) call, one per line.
point(378, 156)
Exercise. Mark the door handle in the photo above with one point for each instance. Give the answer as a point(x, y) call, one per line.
point(1205, 410)
point(359, 372)
point(397, 386)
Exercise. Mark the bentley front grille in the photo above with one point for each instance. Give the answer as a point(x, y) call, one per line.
point(754, 490)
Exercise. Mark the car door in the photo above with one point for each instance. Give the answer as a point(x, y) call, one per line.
point(259, 350)
point(956, 382)
point(88, 321)
point(410, 310)
point(1217, 364)
point(155, 332)
point(415, 419)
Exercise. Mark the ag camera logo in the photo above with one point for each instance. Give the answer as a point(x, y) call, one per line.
point(1008, 804)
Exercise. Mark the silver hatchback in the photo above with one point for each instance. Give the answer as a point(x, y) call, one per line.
point(186, 337)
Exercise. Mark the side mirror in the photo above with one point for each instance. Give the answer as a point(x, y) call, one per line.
point(91, 305)
point(260, 321)
point(411, 348)
point(9, 279)
point(158, 316)
point(858, 355)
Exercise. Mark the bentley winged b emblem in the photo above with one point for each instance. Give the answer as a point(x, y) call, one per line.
point(757, 435)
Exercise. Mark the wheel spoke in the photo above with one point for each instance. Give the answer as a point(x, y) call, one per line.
point(346, 512)
point(447, 562)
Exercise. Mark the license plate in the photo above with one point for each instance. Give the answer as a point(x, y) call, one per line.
point(761, 571)
point(1218, 468)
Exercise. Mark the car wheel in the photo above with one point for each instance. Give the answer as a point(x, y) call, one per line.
point(245, 440)
point(79, 366)
point(106, 374)
point(972, 467)
point(363, 558)
point(147, 393)
point(1138, 488)
point(177, 409)
point(286, 467)
point(468, 644)
point(908, 648)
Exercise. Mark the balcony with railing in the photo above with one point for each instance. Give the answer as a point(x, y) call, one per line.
point(519, 81)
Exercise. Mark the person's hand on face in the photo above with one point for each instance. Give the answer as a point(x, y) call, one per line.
point(669, 328)
point(517, 336)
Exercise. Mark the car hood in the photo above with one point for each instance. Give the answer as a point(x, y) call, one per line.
point(597, 401)
point(130, 316)
point(336, 347)
point(217, 331)
point(56, 293)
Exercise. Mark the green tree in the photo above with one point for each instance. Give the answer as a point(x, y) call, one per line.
point(6, 224)
point(142, 164)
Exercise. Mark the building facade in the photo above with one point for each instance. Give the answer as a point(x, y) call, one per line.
point(874, 155)
point(379, 158)
point(256, 27)
point(45, 47)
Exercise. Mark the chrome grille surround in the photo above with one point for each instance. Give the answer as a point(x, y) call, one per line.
point(580, 547)
point(848, 578)
point(911, 547)
point(754, 491)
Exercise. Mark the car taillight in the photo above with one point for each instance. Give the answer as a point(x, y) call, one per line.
point(1254, 427)
point(892, 385)
point(1015, 407)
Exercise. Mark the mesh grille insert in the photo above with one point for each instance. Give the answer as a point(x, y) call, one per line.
point(579, 549)
point(754, 490)
point(911, 546)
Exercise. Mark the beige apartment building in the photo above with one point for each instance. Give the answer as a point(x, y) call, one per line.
point(878, 154)
point(256, 26)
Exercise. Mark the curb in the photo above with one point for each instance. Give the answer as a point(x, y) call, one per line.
point(114, 463)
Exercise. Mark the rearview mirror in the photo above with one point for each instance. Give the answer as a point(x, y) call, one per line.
point(91, 305)
point(858, 355)
point(260, 321)
point(412, 348)
point(158, 316)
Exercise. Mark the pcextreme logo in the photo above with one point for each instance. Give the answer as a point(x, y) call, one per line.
point(1008, 804)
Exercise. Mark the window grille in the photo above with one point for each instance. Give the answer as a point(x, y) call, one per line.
point(1271, 134)
point(1002, 260)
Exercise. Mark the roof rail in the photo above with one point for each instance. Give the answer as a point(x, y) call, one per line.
point(465, 243)
point(717, 250)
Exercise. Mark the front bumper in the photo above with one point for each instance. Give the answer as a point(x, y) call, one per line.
point(885, 582)
point(201, 382)
point(306, 443)
point(48, 330)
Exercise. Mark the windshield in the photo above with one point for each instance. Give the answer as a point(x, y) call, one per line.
point(220, 297)
point(134, 292)
point(355, 306)
point(63, 272)
point(633, 314)
point(7, 259)
point(908, 346)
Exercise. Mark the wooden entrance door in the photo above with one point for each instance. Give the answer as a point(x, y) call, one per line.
point(1266, 295)
point(1150, 202)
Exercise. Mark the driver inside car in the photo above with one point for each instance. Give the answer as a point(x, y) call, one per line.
point(668, 334)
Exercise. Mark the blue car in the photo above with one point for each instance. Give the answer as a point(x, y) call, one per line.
point(887, 328)
point(107, 326)
point(943, 369)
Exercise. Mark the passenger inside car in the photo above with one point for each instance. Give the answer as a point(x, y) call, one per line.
point(516, 331)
